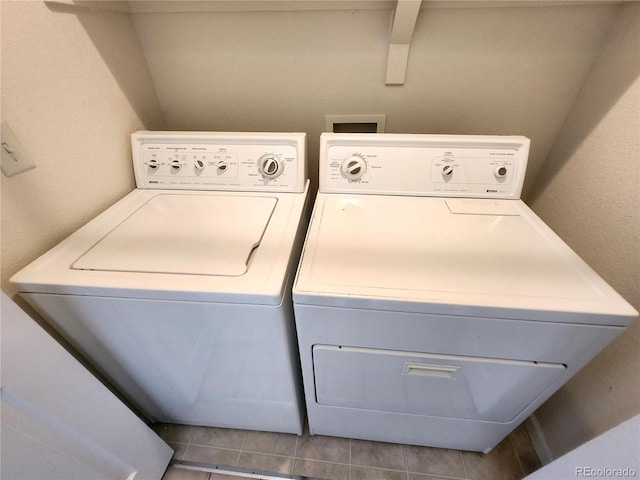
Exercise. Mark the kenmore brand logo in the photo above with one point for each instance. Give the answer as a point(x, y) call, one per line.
point(491, 191)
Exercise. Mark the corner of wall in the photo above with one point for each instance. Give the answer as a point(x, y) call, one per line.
point(595, 210)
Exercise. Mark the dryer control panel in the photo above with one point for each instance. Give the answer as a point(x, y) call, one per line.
point(424, 165)
point(220, 161)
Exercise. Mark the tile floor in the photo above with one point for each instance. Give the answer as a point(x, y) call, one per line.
point(341, 458)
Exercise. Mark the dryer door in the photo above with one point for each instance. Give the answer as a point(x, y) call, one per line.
point(474, 388)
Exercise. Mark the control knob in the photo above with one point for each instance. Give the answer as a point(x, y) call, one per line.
point(199, 164)
point(447, 171)
point(175, 164)
point(353, 167)
point(222, 166)
point(500, 171)
point(270, 166)
point(153, 163)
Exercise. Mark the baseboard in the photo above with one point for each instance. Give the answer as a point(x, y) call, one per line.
point(538, 440)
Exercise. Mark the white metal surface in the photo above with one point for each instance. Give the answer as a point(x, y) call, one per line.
point(425, 165)
point(181, 297)
point(428, 384)
point(263, 282)
point(174, 229)
point(432, 306)
point(416, 254)
point(219, 161)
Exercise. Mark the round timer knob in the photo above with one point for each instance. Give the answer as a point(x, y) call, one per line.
point(447, 171)
point(500, 171)
point(270, 166)
point(353, 167)
point(175, 164)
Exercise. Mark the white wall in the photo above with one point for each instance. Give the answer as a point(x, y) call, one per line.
point(73, 107)
point(589, 193)
point(510, 70)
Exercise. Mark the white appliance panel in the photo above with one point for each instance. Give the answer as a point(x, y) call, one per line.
point(184, 234)
point(181, 295)
point(433, 165)
point(408, 243)
point(475, 388)
point(219, 161)
point(263, 282)
point(432, 306)
point(428, 253)
point(188, 362)
point(551, 342)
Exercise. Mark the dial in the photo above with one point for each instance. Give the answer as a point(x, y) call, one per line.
point(175, 164)
point(500, 171)
point(153, 163)
point(353, 167)
point(199, 164)
point(222, 166)
point(447, 171)
point(270, 166)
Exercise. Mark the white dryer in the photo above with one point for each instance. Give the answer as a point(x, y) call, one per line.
point(432, 306)
point(180, 293)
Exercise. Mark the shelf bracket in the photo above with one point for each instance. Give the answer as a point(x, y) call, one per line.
point(404, 22)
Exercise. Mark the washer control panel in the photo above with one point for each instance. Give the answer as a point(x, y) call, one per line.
point(427, 165)
point(219, 161)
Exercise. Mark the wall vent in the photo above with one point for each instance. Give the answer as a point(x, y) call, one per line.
point(355, 123)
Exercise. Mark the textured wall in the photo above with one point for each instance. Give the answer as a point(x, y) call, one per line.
point(72, 113)
point(513, 70)
point(589, 193)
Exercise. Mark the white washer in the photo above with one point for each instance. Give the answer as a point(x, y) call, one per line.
point(433, 307)
point(180, 293)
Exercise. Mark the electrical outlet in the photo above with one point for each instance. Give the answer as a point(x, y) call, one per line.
point(14, 158)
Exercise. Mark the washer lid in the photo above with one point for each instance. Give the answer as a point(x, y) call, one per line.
point(184, 234)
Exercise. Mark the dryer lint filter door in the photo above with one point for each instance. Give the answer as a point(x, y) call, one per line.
point(184, 234)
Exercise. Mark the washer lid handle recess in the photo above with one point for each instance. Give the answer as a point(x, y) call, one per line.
point(184, 234)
